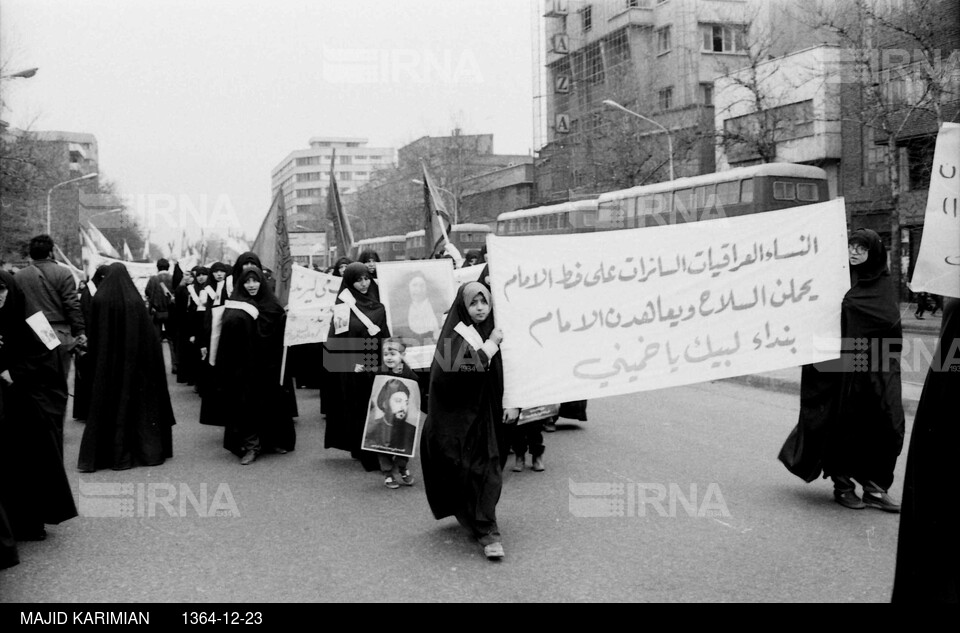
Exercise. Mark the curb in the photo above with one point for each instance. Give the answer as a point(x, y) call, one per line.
point(792, 387)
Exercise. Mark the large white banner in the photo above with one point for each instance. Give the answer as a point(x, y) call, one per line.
point(310, 307)
point(609, 313)
point(140, 272)
point(938, 264)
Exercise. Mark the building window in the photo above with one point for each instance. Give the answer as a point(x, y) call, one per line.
point(722, 38)
point(706, 94)
point(345, 175)
point(586, 18)
point(919, 157)
point(308, 160)
point(376, 157)
point(665, 98)
point(663, 40)
point(638, 4)
point(346, 160)
point(313, 175)
point(360, 157)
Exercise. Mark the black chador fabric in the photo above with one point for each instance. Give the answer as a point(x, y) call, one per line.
point(186, 363)
point(575, 410)
point(131, 419)
point(928, 552)
point(248, 399)
point(34, 489)
point(464, 444)
point(82, 368)
point(8, 544)
point(346, 410)
point(851, 413)
point(328, 382)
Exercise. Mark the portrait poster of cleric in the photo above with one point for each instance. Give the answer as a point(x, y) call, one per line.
point(393, 416)
point(416, 295)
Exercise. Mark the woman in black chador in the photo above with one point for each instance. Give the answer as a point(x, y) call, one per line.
point(131, 420)
point(34, 489)
point(928, 552)
point(352, 359)
point(851, 415)
point(464, 442)
point(255, 406)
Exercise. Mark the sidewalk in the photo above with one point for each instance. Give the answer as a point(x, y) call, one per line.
point(788, 380)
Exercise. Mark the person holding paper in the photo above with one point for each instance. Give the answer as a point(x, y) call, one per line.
point(34, 489)
point(464, 444)
point(352, 359)
point(851, 423)
point(256, 407)
point(131, 419)
point(52, 289)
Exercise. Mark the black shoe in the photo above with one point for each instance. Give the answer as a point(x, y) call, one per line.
point(849, 499)
point(880, 501)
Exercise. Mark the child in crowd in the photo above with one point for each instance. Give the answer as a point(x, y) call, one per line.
point(394, 467)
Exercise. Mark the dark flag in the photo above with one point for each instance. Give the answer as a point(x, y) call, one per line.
point(336, 214)
point(272, 246)
point(436, 218)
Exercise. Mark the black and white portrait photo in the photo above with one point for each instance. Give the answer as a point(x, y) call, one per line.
point(393, 416)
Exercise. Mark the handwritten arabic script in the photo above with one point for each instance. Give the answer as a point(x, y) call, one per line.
point(623, 311)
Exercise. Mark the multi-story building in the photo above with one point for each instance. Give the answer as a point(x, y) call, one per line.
point(800, 119)
point(49, 158)
point(656, 58)
point(304, 176)
point(867, 114)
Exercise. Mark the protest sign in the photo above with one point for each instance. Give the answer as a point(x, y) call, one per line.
point(938, 263)
point(310, 306)
point(607, 313)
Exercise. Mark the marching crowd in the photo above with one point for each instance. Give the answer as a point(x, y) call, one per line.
point(225, 329)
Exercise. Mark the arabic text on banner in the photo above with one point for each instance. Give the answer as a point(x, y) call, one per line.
point(609, 313)
point(310, 307)
point(938, 263)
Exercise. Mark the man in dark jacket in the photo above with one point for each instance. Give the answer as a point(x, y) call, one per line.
point(51, 289)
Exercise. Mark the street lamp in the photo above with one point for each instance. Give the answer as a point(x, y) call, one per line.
point(60, 184)
point(613, 104)
point(23, 74)
point(456, 210)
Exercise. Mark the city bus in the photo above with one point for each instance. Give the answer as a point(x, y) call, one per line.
point(390, 248)
point(464, 236)
point(740, 191)
point(730, 193)
point(577, 216)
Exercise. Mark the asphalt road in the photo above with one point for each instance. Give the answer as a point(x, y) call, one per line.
point(313, 526)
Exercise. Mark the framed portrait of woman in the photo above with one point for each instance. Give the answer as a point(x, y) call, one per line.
point(417, 295)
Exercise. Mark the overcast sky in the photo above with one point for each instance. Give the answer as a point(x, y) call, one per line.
point(200, 99)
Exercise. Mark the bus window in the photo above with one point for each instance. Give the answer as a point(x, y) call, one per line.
point(589, 219)
point(728, 192)
point(501, 228)
point(807, 191)
point(549, 221)
point(784, 190)
point(661, 203)
point(746, 190)
point(683, 200)
point(704, 195)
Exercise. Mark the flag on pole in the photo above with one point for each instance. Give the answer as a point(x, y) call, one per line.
point(272, 246)
point(127, 253)
point(145, 256)
point(436, 218)
point(101, 243)
point(91, 258)
point(337, 215)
